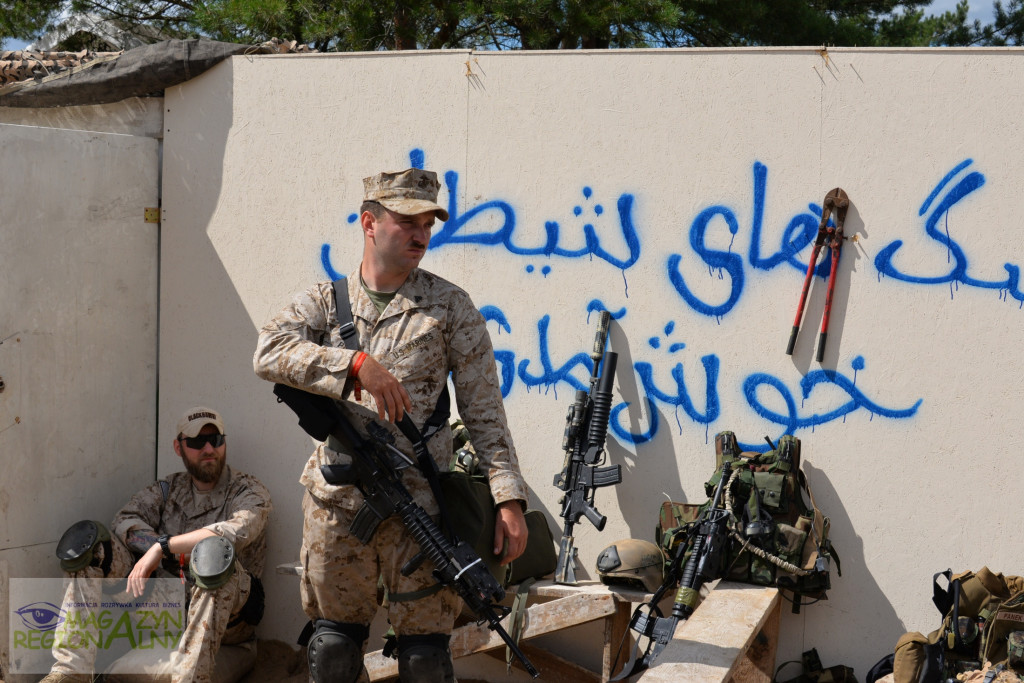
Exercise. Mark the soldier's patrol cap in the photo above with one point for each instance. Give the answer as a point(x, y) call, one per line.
point(196, 418)
point(407, 192)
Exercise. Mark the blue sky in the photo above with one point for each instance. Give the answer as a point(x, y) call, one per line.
point(980, 9)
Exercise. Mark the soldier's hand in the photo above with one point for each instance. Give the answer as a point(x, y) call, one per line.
point(510, 531)
point(143, 569)
point(389, 394)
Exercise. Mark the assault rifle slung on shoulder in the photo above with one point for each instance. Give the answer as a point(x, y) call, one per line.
point(376, 470)
point(586, 427)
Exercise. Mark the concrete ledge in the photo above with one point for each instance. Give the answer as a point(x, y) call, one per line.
point(731, 636)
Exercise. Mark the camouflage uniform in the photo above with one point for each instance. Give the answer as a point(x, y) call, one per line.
point(429, 329)
point(237, 508)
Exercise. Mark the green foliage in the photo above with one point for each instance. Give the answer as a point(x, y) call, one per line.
point(347, 25)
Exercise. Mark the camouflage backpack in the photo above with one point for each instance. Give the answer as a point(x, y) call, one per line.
point(982, 622)
point(777, 539)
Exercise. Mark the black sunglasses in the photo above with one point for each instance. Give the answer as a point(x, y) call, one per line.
point(196, 443)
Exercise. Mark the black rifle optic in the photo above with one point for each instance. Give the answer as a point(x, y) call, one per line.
point(586, 427)
point(375, 470)
point(707, 542)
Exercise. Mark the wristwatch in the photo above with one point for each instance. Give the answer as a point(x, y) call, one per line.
point(164, 542)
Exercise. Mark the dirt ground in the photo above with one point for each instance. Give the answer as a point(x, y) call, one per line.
point(279, 662)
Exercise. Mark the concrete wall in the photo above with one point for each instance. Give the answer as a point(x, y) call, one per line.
point(78, 335)
point(679, 190)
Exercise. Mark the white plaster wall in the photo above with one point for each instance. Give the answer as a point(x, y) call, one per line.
point(78, 335)
point(675, 159)
point(141, 116)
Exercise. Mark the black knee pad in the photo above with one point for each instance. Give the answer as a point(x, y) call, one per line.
point(80, 546)
point(425, 659)
point(335, 651)
point(213, 562)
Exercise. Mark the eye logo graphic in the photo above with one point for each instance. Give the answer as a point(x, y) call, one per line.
point(41, 616)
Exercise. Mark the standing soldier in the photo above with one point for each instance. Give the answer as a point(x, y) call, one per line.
point(414, 329)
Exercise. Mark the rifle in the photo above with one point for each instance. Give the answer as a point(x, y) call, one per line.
point(707, 542)
point(586, 426)
point(375, 469)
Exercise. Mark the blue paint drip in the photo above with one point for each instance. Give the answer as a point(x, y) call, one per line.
point(959, 272)
point(624, 435)
point(730, 263)
point(416, 158)
point(549, 375)
point(454, 230)
point(792, 421)
point(598, 305)
point(942, 183)
point(325, 261)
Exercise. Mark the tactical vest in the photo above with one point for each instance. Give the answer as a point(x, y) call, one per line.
point(777, 539)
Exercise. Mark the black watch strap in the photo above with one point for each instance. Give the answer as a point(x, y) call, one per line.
point(164, 542)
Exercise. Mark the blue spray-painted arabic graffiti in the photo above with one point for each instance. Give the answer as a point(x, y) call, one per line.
point(958, 274)
point(552, 374)
point(594, 232)
point(455, 230)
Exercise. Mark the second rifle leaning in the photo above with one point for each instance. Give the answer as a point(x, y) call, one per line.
point(585, 431)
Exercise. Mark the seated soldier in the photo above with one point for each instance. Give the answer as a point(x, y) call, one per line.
point(212, 520)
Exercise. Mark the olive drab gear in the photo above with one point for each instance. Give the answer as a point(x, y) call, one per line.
point(77, 547)
point(212, 562)
point(982, 618)
point(473, 517)
point(776, 538)
point(632, 562)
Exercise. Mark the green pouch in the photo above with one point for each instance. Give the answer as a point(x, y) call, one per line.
point(540, 557)
point(772, 488)
point(672, 518)
point(471, 510)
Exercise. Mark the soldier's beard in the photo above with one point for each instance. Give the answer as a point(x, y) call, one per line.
point(205, 472)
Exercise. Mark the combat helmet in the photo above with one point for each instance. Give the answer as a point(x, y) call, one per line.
point(631, 562)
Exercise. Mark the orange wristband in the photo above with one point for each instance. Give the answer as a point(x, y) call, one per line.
point(354, 371)
point(357, 363)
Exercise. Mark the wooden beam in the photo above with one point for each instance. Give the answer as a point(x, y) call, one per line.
point(555, 668)
point(540, 619)
point(713, 643)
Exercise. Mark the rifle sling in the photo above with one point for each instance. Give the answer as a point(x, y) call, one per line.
point(434, 423)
